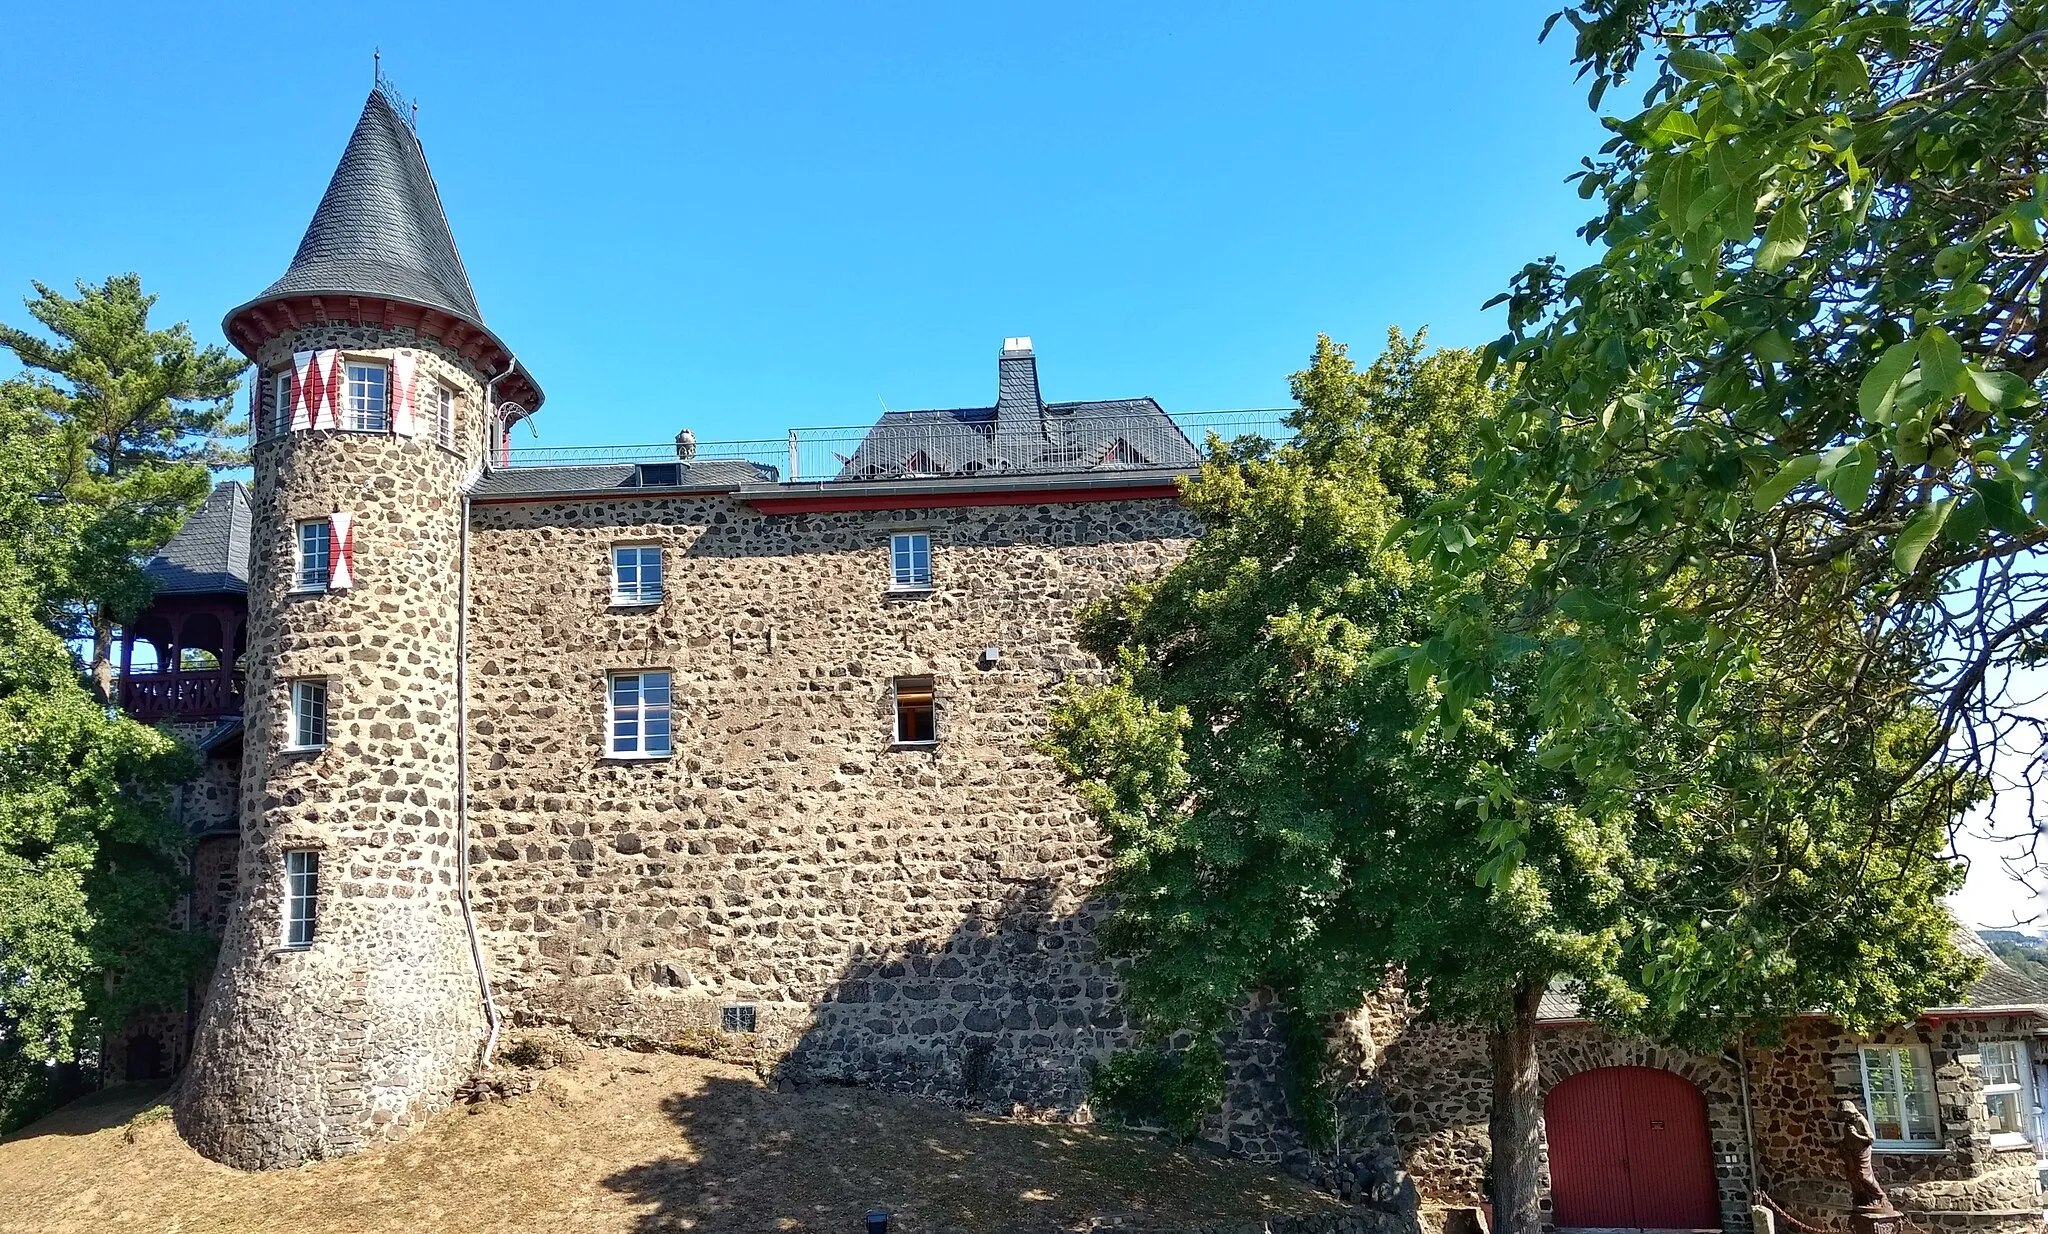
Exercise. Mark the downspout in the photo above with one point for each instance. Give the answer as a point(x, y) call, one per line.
point(476, 946)
point(1756, 1177)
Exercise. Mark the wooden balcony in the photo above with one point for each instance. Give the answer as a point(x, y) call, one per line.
point(206, 695)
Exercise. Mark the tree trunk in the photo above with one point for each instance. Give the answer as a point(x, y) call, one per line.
point(103, 658)
point(1517, 1112)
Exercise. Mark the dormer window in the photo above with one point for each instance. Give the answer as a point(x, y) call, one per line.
point(364, 407)
point(660, 475)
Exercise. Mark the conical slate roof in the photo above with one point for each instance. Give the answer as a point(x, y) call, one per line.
point(380, 230)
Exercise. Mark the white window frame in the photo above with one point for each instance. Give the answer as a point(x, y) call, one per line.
point(303, 558)
point(2021, 1090)
point(627, 721)
point(308, 714)
point(444, 416)
point(358, 412)
point(905, 547)
point(280, 404)
point(638, 594)
point(1901, 1056)
point(915, 685)
point(301, 897)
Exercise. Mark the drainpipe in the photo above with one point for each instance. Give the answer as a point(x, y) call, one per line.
point(476, 946)
point(1756, 1178)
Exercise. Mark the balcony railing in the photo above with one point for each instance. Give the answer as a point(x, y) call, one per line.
point(935, 444)
point(206, 695)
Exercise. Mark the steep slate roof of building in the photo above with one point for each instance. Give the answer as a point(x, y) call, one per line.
point(380, 229)
point(2001, 985)
point(211, 551)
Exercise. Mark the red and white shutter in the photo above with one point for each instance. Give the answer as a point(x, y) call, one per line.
point(306, 386)
point(404, 394)
point(331, 388)
point(341, 556)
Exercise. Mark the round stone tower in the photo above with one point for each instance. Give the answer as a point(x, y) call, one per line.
point(349, 998)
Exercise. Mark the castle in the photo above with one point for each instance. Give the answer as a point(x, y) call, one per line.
point(698, 737)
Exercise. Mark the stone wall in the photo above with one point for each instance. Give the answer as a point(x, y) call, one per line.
point(309, 1052)
point(917, 918)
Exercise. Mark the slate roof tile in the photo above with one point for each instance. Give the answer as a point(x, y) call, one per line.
point(211, 551)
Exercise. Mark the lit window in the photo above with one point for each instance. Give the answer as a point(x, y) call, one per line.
point(636, 574)
point(316, 556)
point(916, 715)
point(301, 895)
point(309, 715)
point(639, 715)
point(910, 561)
point(1897, 1096)
point(281, 405)
point(363, 406)
point(444, 416)
point(738, 1018)
point(2008, 1097)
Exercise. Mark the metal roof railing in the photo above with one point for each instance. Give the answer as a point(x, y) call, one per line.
point(935, 444)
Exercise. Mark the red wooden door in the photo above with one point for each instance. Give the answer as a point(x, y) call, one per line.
point(1629, 1149)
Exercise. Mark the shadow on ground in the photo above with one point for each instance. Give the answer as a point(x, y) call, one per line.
point(109, 1107)
point(816, 1161)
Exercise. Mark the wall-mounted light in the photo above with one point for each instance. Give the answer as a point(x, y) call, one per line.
point(989, 656)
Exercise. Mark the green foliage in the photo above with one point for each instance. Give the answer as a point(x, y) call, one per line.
point(1161, 1086)
point(1286, 810)
point(1791, 414)
point(2028, 959)
point(138, 417)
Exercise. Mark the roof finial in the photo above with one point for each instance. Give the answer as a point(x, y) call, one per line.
point(376, 64)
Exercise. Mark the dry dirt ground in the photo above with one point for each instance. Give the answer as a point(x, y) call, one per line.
point(625, 1141)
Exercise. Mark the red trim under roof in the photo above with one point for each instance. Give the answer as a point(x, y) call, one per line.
point(823, 502)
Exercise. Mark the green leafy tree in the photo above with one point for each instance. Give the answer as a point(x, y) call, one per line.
point(89, 874)
point(1286, 809)
point(1791, 412)
point(142, 416)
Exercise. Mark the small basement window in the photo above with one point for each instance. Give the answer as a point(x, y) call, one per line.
point(1898, 1097)
point(910, 561)
point(315, 556)
point(301, 895)
point(309, 714)
point(916, 712)
point(363, 404)
point(738, 1018)
point(636, 574)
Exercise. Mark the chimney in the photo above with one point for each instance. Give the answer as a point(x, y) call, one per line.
point(1017, 379)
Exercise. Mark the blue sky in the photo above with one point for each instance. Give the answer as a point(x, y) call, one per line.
point(745, 219)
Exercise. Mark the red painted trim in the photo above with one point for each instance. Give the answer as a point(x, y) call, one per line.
point(821, 503)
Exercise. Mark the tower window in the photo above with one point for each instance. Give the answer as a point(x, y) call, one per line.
point(309, 714)
point(316, 556)
point(916, 712)
point(636, 574)
point(301, 895)
point(280, 405)
point(363, 406)
point(444, 416)
point(910, 561)
point(639, 715)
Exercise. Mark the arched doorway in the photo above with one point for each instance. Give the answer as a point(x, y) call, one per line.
point(1629, 1150)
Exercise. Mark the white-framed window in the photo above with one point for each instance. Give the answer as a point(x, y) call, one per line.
point(910, 561)
point(2008, 1094)
point(315, 556)
point(1898, 1096)
point(309, 714)
point(444, 416)
point(363, 405)
point(280, 405)
point(637, 715)
point(301, 895)
point(917, 716)
point(636, 574)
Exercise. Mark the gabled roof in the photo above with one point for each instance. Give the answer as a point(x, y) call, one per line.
point(380, 229)
point(1048, 439)
point(210, 553)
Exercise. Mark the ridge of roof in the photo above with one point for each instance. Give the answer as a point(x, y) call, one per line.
point(211, 551)
point(380, 229)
